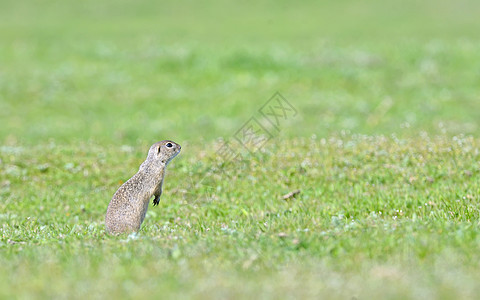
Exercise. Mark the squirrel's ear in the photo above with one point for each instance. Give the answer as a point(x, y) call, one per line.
point(159, 148)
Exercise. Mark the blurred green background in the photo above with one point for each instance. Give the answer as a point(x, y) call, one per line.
point(120, 72)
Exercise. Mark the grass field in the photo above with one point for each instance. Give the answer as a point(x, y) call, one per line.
point(384, 149)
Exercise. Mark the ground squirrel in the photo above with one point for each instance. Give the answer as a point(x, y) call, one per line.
point(129, 204)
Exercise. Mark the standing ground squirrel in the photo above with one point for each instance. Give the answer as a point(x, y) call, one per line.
point(129, 204)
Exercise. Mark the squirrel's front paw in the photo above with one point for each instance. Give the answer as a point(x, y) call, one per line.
point(156, 200)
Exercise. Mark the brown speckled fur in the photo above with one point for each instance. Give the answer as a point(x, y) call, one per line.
point(126, 211)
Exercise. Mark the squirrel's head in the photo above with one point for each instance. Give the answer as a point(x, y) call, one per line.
point(163, 151)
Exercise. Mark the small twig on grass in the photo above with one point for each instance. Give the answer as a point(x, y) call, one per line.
point(291, 195)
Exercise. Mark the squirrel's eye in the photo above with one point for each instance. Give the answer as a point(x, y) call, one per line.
point(169, 145)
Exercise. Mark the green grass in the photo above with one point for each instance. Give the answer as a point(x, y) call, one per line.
point(384, 149)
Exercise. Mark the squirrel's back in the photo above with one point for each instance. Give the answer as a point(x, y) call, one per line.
point(128, 207)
